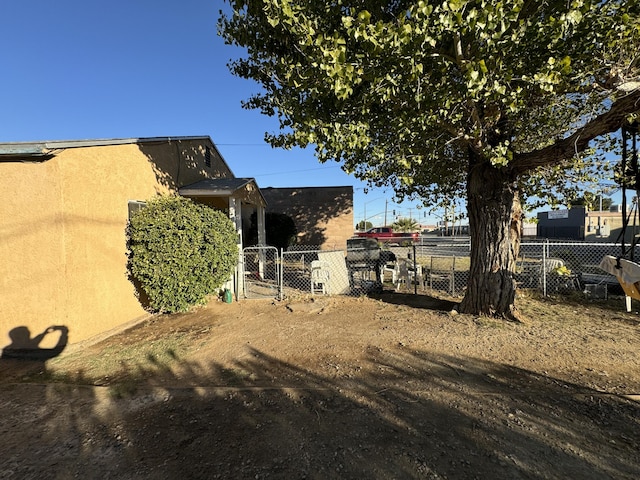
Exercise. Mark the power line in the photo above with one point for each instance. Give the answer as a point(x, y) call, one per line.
point(292, 171)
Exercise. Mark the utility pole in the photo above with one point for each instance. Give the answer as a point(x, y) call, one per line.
point(453, 221)
point(446, 220)
point(385, 212)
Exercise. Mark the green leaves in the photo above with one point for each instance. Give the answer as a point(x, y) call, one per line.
point(364, 17)
point(396, 93)
point(180, 252)
point(405, 225)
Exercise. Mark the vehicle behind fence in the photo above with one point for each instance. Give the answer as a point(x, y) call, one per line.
point(438, 265)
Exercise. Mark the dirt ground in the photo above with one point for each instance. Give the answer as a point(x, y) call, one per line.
point(394, 387)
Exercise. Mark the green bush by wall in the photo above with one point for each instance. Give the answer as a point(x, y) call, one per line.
point(180, 252)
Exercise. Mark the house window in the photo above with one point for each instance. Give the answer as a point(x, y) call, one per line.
point(134, 206)
point(207, 157)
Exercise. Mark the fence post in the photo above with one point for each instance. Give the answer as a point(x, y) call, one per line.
point(453, 276)
point(415, 271)
point(281, 275)
point(545, 246)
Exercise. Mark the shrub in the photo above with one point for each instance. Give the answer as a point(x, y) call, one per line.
point(180, 252)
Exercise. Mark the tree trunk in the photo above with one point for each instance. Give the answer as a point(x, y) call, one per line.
point(494, 223)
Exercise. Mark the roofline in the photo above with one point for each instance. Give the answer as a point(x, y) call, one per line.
point(188, 192)
point(93, 142)
point(45, 150)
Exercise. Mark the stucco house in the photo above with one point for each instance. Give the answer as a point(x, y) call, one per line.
point(64, 207)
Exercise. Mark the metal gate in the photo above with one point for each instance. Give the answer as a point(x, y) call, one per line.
point(260, 272)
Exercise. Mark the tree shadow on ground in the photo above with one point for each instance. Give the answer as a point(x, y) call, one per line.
point(402, 414)
point(426, 302)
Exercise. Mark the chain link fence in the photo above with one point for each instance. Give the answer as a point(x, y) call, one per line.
point(562, 267)
point(260, 272)
point(439, 265)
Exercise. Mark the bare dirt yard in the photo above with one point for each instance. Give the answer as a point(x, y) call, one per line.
point(393, 387)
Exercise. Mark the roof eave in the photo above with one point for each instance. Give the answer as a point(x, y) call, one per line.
point(193, 191)
point(24, 152)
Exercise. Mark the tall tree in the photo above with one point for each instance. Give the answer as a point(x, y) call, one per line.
point(593, 201)
point(405, 225)
point(493, 99)
point(363, 226)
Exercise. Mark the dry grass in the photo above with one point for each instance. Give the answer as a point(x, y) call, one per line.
point(120, 361)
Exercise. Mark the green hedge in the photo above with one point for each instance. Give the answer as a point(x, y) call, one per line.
point(180, 252)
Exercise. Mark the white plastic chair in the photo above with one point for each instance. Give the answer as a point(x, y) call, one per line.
point(320, 276)
point(404, 273)
point(390, 267)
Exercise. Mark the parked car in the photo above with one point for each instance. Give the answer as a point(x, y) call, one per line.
point(387, 235)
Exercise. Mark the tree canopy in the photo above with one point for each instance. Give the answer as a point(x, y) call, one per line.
point(362, 225)
point(593, 201)
point(399, 90)
point(498, 100)
point(405, 225)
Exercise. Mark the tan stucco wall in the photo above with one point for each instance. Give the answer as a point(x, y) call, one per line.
point(63, 248)
point(613, 220)
point(323, 215)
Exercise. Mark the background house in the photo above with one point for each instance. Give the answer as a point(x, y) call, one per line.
point(323, 215)
point(64, 209)
point(581, 224)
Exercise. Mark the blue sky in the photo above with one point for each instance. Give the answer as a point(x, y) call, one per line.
point(82, 69)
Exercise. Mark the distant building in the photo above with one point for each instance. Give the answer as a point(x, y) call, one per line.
point(428, 228)
point(580, 224)
point(529, 229)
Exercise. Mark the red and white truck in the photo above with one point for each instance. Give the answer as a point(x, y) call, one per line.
point(387, 235)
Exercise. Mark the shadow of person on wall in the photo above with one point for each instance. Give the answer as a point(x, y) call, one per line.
point(24, 353)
